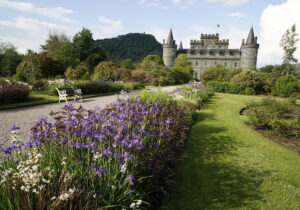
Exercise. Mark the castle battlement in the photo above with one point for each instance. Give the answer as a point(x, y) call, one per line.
point(210, 36)
point(210, 50)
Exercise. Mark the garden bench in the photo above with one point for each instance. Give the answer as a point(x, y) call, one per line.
point(63, 93)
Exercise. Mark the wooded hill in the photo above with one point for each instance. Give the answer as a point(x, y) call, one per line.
point(133, 45)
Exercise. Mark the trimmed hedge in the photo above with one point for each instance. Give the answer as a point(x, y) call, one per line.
point(230, 87)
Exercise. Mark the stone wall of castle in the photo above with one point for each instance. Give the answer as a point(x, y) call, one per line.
point(210, 50)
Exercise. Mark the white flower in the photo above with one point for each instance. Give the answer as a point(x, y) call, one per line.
point(133, 205)
point(139, 202)
point(124, 168)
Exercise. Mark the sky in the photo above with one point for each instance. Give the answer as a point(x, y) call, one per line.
point(27, 23)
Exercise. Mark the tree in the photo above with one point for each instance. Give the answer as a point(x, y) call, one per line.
point(128, 64)
point(182, 69)
point(150, 62)
point(97, 55)
point(48, 66)
point(9, 59)
point(288, 43)
point(28, 70)
point(83, 42)
point(60, 48)
point(104, 70)
point(80, 72)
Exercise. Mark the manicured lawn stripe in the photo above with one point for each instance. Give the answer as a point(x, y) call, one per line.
point(230, 166)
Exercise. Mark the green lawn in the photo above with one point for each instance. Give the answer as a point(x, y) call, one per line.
point(230, 166)
point(43, 97)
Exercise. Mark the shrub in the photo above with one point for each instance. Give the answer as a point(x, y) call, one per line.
point(286, 86)
point(133, 86)
point(235, 88)
point(92, 87)
point(248, 91)
point(13, 92)
point(121, 74)
point(162, 76)
point(115, 87)
point(286, 128)
point(215, 72)
point(250, 78)
point(80, 72)
point(141, 76)
point(267, 113)
point(104, 70)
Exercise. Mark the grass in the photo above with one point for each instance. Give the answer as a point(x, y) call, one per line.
point(230, 166)
point(43, 97)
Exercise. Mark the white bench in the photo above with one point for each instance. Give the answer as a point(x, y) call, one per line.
point(63, 93)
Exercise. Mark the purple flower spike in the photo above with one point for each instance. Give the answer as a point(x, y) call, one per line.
point(130, 179)
point(14, 128)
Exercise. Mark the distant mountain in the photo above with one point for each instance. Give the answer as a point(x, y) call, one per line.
point(134, 45)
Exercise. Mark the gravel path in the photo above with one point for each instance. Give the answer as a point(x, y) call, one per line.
point(25, 117)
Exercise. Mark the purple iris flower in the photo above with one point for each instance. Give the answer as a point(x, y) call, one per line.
point(130, 179)
point(14, 128)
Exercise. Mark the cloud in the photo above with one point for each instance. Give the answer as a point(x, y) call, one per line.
point(237, 14)
point(28, 33)
point(275, 20)
point(159, 33)
point(58, 13)
point(230, 2)
point(236, 36)
point(107, 28)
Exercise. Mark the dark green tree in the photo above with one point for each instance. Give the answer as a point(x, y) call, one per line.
point(60, 48)
point(9, 59)
point(83, 42)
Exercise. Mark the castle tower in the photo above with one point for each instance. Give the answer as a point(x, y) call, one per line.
point(169, 50)
point(249, 51)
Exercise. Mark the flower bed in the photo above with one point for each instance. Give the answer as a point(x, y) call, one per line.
point(14, 92)
point(120, 157)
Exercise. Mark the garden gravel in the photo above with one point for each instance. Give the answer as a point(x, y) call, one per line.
point(27, 116)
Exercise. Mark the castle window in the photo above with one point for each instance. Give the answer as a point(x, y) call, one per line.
point(196, 63)
point(205, 64)
point(225, 64)
point(235, 65)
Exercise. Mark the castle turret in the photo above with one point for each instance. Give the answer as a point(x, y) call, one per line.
point(169, 50)
point(249, 51)
point(180, 46)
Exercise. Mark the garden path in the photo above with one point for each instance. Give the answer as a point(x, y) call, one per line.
point(25, 117)
point(228, 165)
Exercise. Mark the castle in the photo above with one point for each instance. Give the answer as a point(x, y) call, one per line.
point(210, 50)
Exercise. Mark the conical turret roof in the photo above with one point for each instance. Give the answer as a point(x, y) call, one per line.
point(180, 46)
point(170, 38)
point(251, 38)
